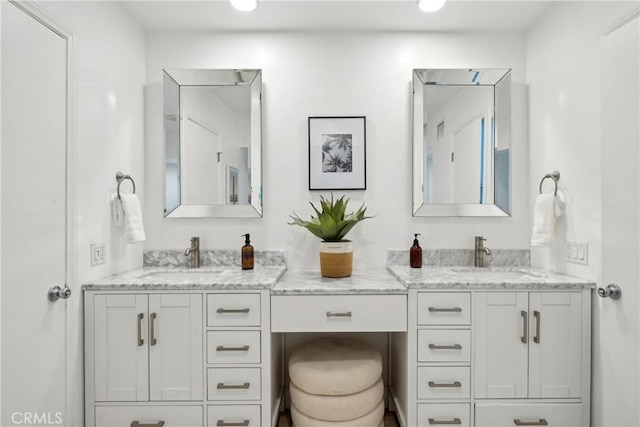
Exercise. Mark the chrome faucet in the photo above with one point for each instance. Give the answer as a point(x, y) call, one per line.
point(194, 253)
point(480, 252)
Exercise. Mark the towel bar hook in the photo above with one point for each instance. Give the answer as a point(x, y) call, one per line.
point(121, 177)
point(555, 176)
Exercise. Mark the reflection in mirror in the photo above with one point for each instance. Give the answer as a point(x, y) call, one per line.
point(213, 143)
point(461, 142)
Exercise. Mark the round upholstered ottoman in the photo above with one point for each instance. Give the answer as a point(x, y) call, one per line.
point(374, 418)
point(336, 382)
point(335, 367)
point(337, 408)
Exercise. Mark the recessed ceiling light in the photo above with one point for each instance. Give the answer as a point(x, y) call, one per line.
point(244, 5)
point(430, 5)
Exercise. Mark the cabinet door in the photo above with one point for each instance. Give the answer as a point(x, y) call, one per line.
point(175, 347)
point(121, 352)
point(555, 347)
point(501, 340)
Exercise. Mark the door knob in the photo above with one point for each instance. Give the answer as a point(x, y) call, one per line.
point(56, 292)
point(612, 291)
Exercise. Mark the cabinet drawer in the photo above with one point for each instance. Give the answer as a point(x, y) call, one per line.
point(233, 310)
point(234, 415)
point(233, 383)
point(336, 313)
point(173, 416)
point(233, 347)
point(434, 414)
point(444, 346)
point(446, 308)
point(552, 414)
point(443, 382)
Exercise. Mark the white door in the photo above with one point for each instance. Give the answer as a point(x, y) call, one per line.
point(201, 171)
point(501, 344)
point(616, 354)
point(467, 150)
point(555, 344)
point(34, 203)
point(175, 347)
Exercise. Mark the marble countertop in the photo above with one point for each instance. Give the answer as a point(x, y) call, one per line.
point(312, 283)
point(525, 278)
point(205, 278)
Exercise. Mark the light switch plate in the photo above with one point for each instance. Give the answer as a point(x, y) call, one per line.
point(577, 252)
point(97, 254)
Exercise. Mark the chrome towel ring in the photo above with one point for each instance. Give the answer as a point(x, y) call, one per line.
point(555, 176)
point(121, 177)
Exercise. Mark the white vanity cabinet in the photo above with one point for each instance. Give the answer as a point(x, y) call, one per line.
point(173, 358)
point(528, 344)
point(493, 350)
point(147, 347)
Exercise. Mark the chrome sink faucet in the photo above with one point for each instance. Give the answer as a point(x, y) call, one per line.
point(480, 252)
point(194, 253)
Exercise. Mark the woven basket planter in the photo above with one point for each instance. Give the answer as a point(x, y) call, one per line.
point(336, 259)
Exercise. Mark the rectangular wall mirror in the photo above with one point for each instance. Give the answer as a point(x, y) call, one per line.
point(461, 142)
point(213, 143)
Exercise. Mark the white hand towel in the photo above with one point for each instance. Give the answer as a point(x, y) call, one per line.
point(117, 213)
point(133, 227)
point(548, 207)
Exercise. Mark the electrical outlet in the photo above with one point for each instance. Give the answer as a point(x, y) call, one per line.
point(577, 252)
point(97, 254)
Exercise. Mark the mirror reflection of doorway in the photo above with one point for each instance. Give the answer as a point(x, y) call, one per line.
point(200, 167)
point(467, 171)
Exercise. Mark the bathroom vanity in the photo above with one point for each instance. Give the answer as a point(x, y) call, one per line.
point(483, 347)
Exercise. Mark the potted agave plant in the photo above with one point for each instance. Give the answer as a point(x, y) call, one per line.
point(331, 224)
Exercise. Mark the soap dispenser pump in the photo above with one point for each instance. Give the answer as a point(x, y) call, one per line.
point(415, 253)
point(247, 253)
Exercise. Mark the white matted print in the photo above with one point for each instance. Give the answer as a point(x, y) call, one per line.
point(337, 153)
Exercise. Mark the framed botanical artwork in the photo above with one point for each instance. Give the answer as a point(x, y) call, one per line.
point(337, 153)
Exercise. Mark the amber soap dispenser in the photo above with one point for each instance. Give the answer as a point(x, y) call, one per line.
point(247, 253)
point(415, 253)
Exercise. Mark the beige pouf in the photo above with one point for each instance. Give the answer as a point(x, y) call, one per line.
point(335, 367)
point(337, 408)
point(372, 419)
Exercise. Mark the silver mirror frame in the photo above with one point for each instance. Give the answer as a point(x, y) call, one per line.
point(502, 132)
point(224, 77)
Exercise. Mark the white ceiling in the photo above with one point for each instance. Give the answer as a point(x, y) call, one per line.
point(513, 16)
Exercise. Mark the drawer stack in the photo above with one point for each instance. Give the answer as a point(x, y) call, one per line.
point(234, 357)
point(444, 358)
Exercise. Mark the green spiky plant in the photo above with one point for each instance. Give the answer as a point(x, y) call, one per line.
point(331, 222)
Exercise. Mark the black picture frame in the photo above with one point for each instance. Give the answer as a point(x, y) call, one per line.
point(337, 153)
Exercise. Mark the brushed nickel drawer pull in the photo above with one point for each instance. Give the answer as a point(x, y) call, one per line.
point(525, 327)
point(455, 421)
point(453, 384)
point(338, 314)
point(223, 348)
point(445, 309)
point(232, 310)
point(139, 424)
point(445, 347)
point(536, 338)
point(540, 422)
point(223, 423)
point(152, 329)
point(223, 386)
point(140, 340)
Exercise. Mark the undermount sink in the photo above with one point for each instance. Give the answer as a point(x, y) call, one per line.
point(497, 274)
point(176, 275)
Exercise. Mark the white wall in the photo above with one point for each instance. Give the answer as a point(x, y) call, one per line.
point(109, 137)
point(565, 122)
point(325, 74)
